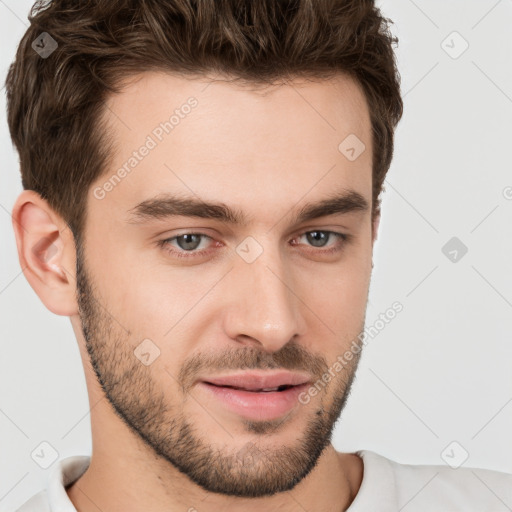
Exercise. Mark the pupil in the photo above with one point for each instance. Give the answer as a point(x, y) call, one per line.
point(317, 236)
point(189, 242)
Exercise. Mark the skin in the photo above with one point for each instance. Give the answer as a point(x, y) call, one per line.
point(159, 442)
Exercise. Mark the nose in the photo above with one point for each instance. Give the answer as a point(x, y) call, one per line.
point(264, 309)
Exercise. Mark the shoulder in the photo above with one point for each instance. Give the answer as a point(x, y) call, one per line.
point(424, 487)
point(54, 497)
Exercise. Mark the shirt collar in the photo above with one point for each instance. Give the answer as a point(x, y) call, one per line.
point(64, 473)
point(377, 490)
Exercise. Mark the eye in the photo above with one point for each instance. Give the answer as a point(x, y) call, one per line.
point(319, 239)
point(185, 243)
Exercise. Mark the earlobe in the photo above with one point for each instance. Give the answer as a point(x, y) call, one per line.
point(46, 252)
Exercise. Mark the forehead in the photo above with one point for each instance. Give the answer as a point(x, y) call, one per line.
point(210, 137)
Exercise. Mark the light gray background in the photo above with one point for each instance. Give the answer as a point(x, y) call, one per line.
point(441, 370)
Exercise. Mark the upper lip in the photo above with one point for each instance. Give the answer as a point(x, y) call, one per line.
point(260, 380)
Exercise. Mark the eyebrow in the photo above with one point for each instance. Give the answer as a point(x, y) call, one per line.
point(168, 205)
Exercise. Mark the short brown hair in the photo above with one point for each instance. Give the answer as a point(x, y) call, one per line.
point(55, 104)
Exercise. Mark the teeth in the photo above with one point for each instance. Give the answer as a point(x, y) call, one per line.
point(277, 388)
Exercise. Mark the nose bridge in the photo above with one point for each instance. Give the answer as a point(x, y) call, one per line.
point(264, 306)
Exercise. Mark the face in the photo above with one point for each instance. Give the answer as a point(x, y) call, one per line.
point(236, 246)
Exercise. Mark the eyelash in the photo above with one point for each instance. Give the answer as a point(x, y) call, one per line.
point(165, 244)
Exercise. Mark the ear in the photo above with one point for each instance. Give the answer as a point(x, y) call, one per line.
point(375, 227)
point(46, 251)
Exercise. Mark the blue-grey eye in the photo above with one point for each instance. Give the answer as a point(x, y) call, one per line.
point(318, 238)
point(188, 241)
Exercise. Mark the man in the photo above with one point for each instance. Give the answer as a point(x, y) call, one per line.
point(202, 199)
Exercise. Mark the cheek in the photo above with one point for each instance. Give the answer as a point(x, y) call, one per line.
point(341, 292)
point(169, 307)
point(339, 307)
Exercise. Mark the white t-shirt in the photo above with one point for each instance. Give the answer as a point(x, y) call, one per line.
point(387, 486)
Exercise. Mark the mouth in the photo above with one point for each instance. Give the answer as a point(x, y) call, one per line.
point(259, 381)
point(283, 387)
point(257, 396)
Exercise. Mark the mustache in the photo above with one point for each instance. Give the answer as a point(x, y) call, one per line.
point(291, 357)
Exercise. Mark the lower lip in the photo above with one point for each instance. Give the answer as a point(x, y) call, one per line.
point(256, 405)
